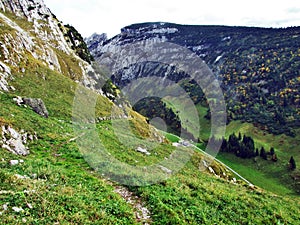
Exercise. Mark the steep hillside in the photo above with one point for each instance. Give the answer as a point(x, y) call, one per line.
point(72, 152)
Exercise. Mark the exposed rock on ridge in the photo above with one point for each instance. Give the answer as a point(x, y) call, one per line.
point(43, 38)
point(32, 9)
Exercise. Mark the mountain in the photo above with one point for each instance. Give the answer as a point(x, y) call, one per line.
point(200, 80)
point(257, 68)
point(73, 151)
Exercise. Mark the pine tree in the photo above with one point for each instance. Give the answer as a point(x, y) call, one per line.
point(263, 153)
point(257, 152)
point(272, 151)
point(224, 145)
point(240, 136)
point(233, 144)
point(292, 163)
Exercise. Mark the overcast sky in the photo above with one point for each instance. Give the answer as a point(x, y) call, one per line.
point(109, 16)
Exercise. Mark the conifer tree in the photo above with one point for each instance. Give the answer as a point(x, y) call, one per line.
point(272, 151)
point(263, 153)
point(292, 163)
point(240, 136)
point(257, 152)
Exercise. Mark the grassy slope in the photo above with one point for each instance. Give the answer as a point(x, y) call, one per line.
point(62, 187)
point(189, 118)
point(65, 190)
point(191, 197)
point(287, 146)
point(69, 191)
point(271, 176)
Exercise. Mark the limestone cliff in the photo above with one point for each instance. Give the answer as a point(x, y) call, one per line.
point(31, 32)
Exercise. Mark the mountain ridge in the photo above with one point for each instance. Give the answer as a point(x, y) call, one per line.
point(249, 63)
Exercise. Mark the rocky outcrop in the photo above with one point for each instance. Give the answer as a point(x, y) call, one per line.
point(37, 37)
point(5, 75)
point(32, 9)
point(18, 41)
point(43, 38)
point(94, 41)
point(36, 104)
point(43, 20)
point(15, 141)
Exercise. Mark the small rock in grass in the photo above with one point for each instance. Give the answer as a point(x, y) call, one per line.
point(166, 170)
point(5, 207)
point(143, 150)
point(14, 162)
point(20, 177)
point(17, 209)
point(211, 170)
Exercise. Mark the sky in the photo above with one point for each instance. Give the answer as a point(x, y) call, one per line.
point(109, 16)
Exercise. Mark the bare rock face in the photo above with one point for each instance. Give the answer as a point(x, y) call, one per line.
point(5, 75)
point(36, 104)
point(28, 8)
point(21, 41)
point(14, 141)
point(41, 40)
point(46, 28)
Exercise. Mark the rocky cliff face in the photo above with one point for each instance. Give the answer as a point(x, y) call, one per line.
point(32, 41)
point(44, 25)
point(257, 68)
point(31, 31)
point(33, 9)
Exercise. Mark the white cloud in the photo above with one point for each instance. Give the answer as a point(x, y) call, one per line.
point(109, 16)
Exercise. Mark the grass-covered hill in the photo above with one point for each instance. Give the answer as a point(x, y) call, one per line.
point(54, 184)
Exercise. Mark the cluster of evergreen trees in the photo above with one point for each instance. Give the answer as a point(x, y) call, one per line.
point(77, 42)
point(152, 107)
point(244, 147)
